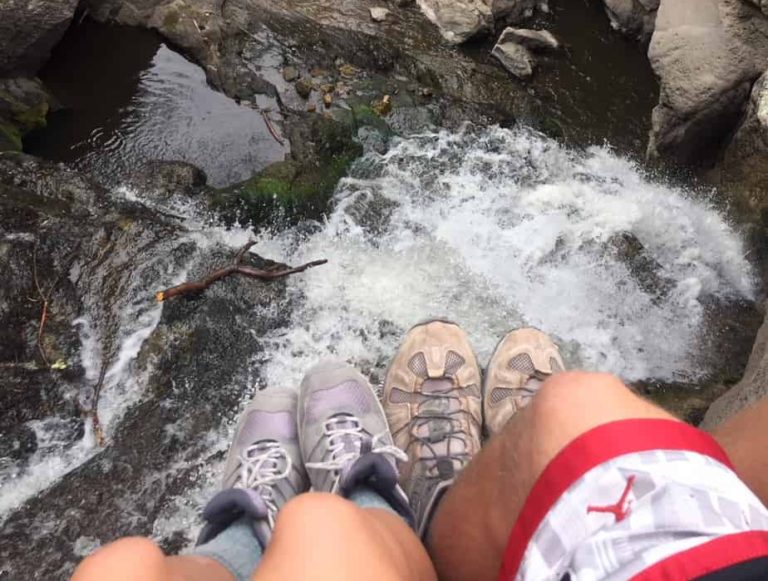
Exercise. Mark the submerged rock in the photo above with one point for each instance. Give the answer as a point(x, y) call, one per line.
point(29, 29)
point(707, 54)
point(531, 39)
point(635, 18)
point(517, 59)
point(165, 179)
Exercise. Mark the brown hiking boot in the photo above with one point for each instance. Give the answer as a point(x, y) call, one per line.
point(433, 403)
point(518, 367)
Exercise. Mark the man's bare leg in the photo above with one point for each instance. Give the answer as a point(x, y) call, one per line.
point(489, 495)
point(745, 439)
point(318, 536)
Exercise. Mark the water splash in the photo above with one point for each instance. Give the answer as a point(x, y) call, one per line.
point(500, 228)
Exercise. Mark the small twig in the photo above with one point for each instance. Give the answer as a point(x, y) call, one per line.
point(45, 299)
point(198, 286)
point(197, 26)
point(98, 431)
point(253, 36)
point(271, 128)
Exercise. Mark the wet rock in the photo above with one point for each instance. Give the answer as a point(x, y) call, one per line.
point(535, 40)
point(379, 14)
point(29, 30)
point(644, 269)
point(743, 170)
point(304, 88)
point(300, 186)
point(18, 443)
point(761, 4)
point(517, 59)
point(636, 18)
point(458, 20)
point(290, 74)
point(24, 106)
point(752, 387)
point(384, 106)
point(165, 179)
point(707, 54)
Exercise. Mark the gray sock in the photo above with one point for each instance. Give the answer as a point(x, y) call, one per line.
point(236, 548)
point(366, 497)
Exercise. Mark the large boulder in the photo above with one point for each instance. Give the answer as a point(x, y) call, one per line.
point(635, 18)
point(460, 20)
point(752, 387)
point(743, 169)
point(29, 29)
point(706, 54)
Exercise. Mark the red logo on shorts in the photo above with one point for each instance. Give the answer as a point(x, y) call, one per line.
point(621, 509)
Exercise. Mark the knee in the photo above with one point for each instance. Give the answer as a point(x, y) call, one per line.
point(129, 558)
point(313, 510)
point(574, 392)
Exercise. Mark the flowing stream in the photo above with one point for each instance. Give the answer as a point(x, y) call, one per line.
point(493, 228)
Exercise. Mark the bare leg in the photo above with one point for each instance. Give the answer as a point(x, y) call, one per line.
point(745, 439)
point(137, 558)
point(318, 536)
point(489, 495)
point(322, 536)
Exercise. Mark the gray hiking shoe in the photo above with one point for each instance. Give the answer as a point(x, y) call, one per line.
point(522, 361)
point(344, 436)
point(264, 469)
point(432, 401)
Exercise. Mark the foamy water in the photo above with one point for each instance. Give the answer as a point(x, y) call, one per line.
point(491, 228)
point(497, 229)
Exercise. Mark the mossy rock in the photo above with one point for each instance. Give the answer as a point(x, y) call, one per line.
point(301, 187)
point(10, 138)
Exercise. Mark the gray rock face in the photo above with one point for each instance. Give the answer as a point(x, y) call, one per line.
point(707, 54)
point(752, 387)
point(517, 59)
point(28, 31)
point(460, 20)
point(534, 40)
point(633, 17)
point(744, 165)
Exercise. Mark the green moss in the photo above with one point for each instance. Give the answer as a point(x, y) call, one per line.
point(10, 138)
point(30, 118)
point(171, 19)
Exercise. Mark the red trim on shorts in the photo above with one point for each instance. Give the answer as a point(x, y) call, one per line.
point(710, 557)
point(595, 447)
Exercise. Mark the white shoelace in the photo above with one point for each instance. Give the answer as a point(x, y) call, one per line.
point(259, 471)
point(336, 430)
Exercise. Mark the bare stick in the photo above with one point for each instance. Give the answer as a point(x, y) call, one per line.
point(44, 314)
point(98, 431)
point(271, 128)
point(198, 286)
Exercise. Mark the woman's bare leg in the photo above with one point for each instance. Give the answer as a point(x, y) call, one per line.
point(318, 536)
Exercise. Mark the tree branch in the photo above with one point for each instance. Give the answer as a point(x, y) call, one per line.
point(198, 286)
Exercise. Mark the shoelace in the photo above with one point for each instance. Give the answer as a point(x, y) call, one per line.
point(339, 430)
point(259, 470)
point(453, 433)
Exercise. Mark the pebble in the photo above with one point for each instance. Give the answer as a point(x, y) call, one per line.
point(328, 100)
point(379, 14)
point(290, 74)
point(303, 88)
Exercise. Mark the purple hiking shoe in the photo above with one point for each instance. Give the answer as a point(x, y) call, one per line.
point(344, 437)
point(264, 468)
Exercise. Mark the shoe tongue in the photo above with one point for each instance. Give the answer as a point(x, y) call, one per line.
point(352, 443)
point(441, 385)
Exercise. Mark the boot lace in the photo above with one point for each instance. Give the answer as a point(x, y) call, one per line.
point(260, 471)
point(343, 430)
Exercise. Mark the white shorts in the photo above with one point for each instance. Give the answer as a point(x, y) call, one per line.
point(641, 500)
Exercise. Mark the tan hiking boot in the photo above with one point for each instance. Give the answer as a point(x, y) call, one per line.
point(518, 367)
point(433, 403)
